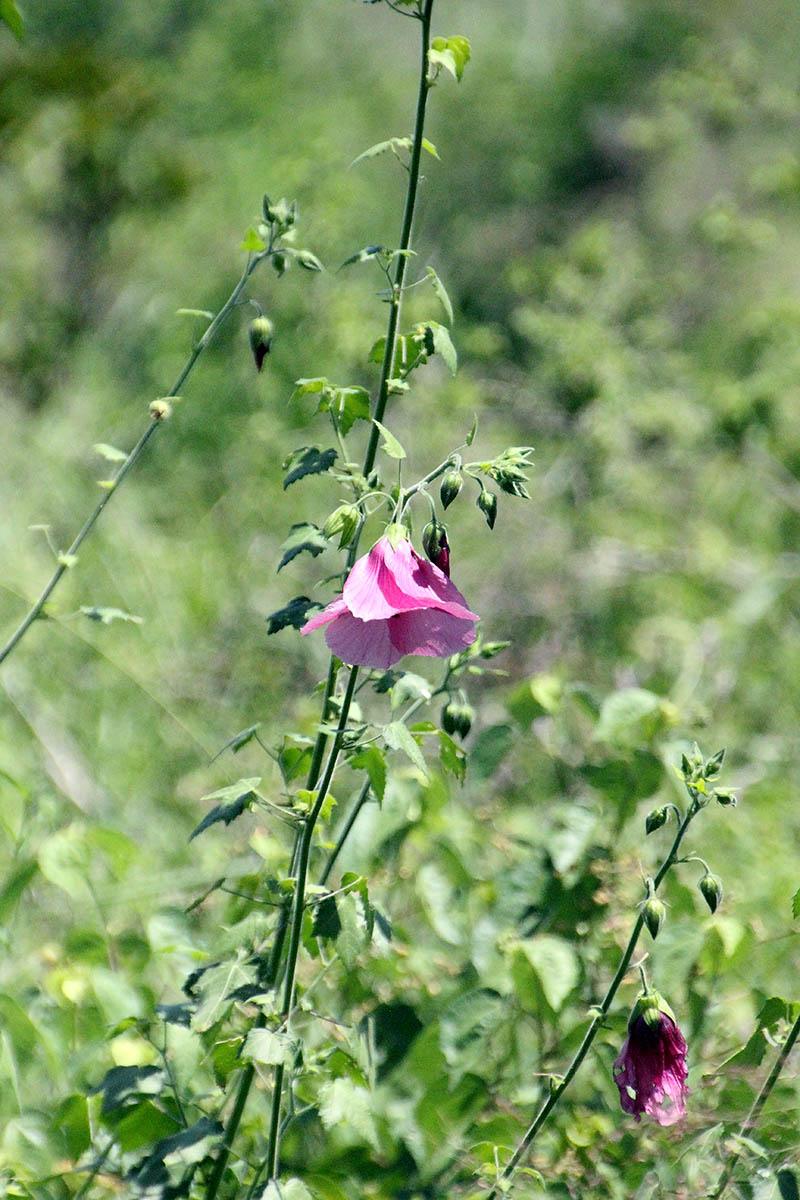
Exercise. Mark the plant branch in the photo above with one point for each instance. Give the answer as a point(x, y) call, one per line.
point(751, 1120)
point(600, 1014)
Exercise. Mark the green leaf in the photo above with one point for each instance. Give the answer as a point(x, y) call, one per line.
point(364, 255)
point(10, 14)
point(453, 758)
point(452, 53)
point(390, 446)
point(326, 919)
point(305, 387)
point(224, 812)
point(490, 748)
point(344, 1103)
point(443, 345)
point(470, 438)
point(188, 1146)
point(307, 460)
point(630, 716)
point(234, 790)
point(272, 1049)
point(796, 904)
point(302, 538)
point(554, 964)
point(295, 614)
point(109, 453)
point(348, 404)
point(441, 293)
point(397, 737)
point(15, 885)
point(287, 1189)
point(431, 149)
point(251, 242)
point(18, 1027)
point(372, 760)
point(353, 934)
point(107, 615)
point(374, 151)
point(122, 1087)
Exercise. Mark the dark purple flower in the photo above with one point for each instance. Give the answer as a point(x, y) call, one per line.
point(650, 1071)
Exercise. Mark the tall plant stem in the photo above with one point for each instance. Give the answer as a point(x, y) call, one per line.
point(156, 420)
point(751, 1120)
point(600, 1015)
point(301, 877)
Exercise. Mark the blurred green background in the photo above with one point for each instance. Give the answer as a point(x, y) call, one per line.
point(616, 216)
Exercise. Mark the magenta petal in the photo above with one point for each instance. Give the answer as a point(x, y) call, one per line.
point(333, 610)
point(431, 632)
point(362, 643)
point(388, 581)
point(650, 1071)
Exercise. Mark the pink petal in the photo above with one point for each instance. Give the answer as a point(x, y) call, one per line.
point(361, 643)
point(388, 581)
point(334, 609)
point(431, 632)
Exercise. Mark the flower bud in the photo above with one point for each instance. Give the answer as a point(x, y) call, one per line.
point(465, 718)
point(344, 522)
point(654, 913)
point(435, 545)
point(450, 717)
point(260, 334)
point(724, 797)
point(160, 410)
point(655, 819)
point(711, 888)
point(451, 486)
point(487, 503)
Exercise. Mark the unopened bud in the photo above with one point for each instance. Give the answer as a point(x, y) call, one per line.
point(260, 333)
point(435, 545)
point(711, 889)
point(487, 503)
point(655, 819)
point(724, 798)
point(457, 717)
point(343, 522)
point(654, 913)
point(451, 486)
point(160, 410)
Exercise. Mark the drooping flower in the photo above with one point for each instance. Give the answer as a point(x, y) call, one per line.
point(650, 1071)
point(395, 603)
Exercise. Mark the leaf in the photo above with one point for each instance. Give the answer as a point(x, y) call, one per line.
point(107, 615)
point(441, 293)
point(109, 453)
point(353, 934)
point(410, 687)
point(630, 716)
point(390, 446)
point(10, 14)
point(224, 812)
point(307, 460)
point(272, 1049)
point(431, 149)
point(195, 312)
point(251, 242)
point(397, 737)
point(349, 404)
point(188, 1146)
point(307, 260)
point(491, 747)
point(326, 919)
point(363, 255)
point(122, 1087)
point(372, 760)
point(345, 1103)
point(452, 53)
point(796, 904)
point(304, 387)
point(373, 151)
point(18, 1028)
point(15, 885)
point(302, 537)
point(287, 1189)
point(295, 614)
point(453, 758)
point(443, 345)
point(470, 438)
point(555, 966)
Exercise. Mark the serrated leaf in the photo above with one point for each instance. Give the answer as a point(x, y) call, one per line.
point(295, 614)
point(109, 453)
point(271, 1049)
point(304, 387)
point(372, 760)
point(307, 460)
point(123, 1086)
point(397, 737)
point(303, 538)
point(107, 615)
point(224, 812)
point(251, 242)
point(390, 446)
point(345, 1103)
point(441, 292)
point(187, 1146)
point(349, 404)
point(326, 919)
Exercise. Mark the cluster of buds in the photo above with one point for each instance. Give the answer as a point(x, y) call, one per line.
point(457, 717)
point(509, 470)
point(697, 773)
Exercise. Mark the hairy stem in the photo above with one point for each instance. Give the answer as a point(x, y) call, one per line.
point(599, 1017)
point(37, 608)
point(751, 1120)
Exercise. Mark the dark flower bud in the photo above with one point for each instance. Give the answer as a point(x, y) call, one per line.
point(260, 333)
point(654, 913)
point(451, 486)
point(487, 503)
point(435, 545)
point(655, 819)
point(450, 717)
point(724, 797)
point(465, 718)
point(711, 889)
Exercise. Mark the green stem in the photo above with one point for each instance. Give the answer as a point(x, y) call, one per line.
point(599, 1017)
point(751, 1120)
point(301, 877)
point(387, 366)
point(343, 836)
point(37, 608)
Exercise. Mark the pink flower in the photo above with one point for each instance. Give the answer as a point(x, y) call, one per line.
point(650, 1071)
point(395, 603)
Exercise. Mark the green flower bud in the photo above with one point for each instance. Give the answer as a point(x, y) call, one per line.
point(260, 334)
point(435, 545)
point(450, 717)
point(343, 522)
point(724, 797)
point(654, 913)
point(487, 503)
point(465, 718)
point(711, 888)
point(451, 486)
point(655, 819)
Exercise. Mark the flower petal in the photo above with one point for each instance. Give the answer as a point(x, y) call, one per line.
point(388, 581)
point(333, 610)
point(361, 643)
point(431, 632)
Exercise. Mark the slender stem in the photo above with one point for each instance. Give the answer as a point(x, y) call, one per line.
point(599, 1017)
point(299, 910)
point(37, 608)
point(387, 366)
point(343, 836)
point(751, 1119)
